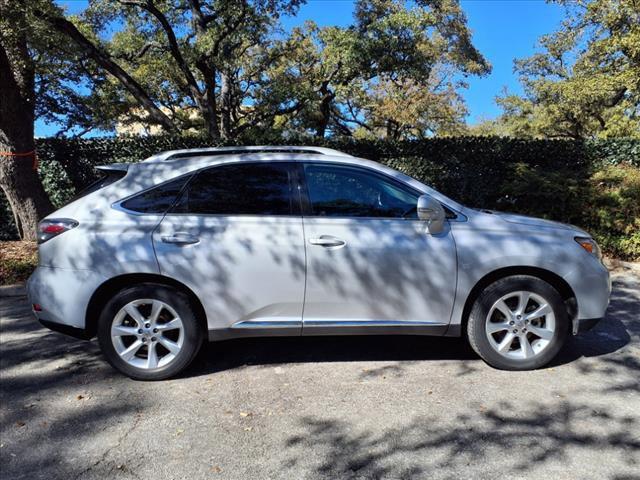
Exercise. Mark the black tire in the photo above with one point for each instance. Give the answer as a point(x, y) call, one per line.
point(193, 332)
point(478, 317)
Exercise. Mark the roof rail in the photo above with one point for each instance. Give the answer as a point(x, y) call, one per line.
point(195, 152)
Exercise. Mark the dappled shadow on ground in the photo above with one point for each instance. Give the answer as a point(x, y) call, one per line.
point(44, 377)
point(43, 374)
point(518, 439)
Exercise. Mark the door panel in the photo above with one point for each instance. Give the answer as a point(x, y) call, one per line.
point(244, 268)
point(387, 270)
point(371, 265)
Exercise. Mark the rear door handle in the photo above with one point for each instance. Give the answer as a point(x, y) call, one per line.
point(327, 241)
point(180, 238)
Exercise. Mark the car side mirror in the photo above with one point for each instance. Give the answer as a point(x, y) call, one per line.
point(430, 210)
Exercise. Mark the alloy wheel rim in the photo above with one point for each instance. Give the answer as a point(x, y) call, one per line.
point(520, 325)
point(147, 333)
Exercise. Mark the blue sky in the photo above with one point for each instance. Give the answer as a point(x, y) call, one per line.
point(502, 30)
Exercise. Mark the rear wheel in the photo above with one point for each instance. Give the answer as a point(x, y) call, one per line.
point(518, 323)
point(149, 332)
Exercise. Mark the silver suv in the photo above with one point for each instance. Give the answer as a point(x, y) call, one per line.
point(259, 241)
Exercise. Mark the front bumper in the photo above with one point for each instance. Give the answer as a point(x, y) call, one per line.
point(591, 285)
point(581, 325)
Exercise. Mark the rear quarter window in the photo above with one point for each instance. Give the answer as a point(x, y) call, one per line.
point(105, 180)
point(157, 199)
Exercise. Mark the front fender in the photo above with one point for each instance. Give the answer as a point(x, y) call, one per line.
point(482, 252)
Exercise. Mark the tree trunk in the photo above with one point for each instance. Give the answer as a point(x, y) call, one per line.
point(226, 104)
point(210, 111)
point(18, 179)
point(208, 71)
point(325, 111)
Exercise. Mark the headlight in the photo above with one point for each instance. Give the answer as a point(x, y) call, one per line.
point(590, 245)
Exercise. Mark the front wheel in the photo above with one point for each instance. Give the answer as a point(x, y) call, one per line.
point(518, 323)
point(149, 332)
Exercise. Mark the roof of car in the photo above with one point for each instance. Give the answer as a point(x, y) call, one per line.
point(174, 155)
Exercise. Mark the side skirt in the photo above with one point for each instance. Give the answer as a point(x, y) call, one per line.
point(372, 327)
point(326, 328)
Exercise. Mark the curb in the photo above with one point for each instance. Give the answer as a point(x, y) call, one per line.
point(16, 290)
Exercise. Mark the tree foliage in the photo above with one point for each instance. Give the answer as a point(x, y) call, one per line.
point(394, 73)
point(585, 82)
point(225, 67)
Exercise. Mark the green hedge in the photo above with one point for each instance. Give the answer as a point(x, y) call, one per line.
point(555, 179)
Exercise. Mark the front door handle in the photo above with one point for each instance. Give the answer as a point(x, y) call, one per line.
point(180, 238)
point(327, 241)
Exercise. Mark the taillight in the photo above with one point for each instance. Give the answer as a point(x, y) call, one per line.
point(52, 227)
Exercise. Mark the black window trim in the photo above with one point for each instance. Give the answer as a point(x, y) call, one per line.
point(119, 204)
point(306, 201)
point(296, 205)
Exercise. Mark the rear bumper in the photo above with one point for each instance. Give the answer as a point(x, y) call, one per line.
point(63, 295)
point(66, 329)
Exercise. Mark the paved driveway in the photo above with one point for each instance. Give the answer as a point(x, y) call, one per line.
point(395, 407)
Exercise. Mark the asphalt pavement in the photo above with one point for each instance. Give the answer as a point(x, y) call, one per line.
point(323, 408)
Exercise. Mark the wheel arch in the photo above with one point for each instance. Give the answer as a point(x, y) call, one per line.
point(109, 288)
point(553, 279)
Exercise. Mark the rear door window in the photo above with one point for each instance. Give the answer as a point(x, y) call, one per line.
point(241, 189)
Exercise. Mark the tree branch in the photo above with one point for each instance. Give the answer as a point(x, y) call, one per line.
point(174, 48)
point(268, 114)
point(104, 60)
point(141, 53)
point(616, 98)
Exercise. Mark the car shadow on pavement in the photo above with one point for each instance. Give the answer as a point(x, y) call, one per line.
point(232, 354)
point(610, 335)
